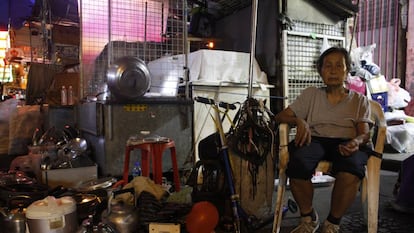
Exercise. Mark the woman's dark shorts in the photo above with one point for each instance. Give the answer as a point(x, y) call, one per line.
point(304, 160)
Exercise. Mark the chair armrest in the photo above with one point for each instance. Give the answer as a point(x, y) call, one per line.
point(283, 146)
point(284, 130)
point(381, 136)
point(379, 120)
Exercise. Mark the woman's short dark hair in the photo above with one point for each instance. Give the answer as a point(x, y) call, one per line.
point(334, 50)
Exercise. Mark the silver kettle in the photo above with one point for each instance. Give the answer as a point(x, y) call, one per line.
point(89, 227)
point(13, 221)
point(120, 215)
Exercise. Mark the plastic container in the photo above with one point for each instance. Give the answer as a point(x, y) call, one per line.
point(64, 96)
point(70, 96)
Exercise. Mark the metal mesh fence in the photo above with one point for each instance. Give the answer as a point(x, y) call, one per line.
point(147, 29)
point(302, 47)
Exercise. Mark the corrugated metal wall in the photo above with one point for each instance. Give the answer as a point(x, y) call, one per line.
point(378, 23)
point(409, 110)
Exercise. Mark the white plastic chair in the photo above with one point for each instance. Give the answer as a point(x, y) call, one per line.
point(370, 184)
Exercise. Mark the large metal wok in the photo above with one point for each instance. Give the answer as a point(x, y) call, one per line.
point(128, 78)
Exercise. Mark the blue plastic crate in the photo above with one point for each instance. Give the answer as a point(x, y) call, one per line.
point(381, 98)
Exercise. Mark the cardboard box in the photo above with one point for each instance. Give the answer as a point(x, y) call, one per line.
point(164, 227)
point(377, 84)
point(69, 177)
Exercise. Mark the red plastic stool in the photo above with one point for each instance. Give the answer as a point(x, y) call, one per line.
point(158, 149)
point(145, 157)
point(154, 151)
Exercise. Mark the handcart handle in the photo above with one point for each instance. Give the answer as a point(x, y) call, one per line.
point(227, 105)
point(221, 104)
point(204, 100)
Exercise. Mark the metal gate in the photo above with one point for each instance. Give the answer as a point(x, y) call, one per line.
point(301, 48)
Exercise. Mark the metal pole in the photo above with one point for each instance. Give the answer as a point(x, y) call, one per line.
point(186, 51)
point(252, 46)
point(145, 29)
point(110, 47)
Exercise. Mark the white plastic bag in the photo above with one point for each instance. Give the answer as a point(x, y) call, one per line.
point(325, 44)
point(397, 96)
point(401, 137)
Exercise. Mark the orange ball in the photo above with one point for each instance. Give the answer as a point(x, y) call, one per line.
point(203, 218)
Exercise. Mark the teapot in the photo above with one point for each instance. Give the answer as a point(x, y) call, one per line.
point(120, 215)
point(88, 226)
point(13, 217)
point(13, 221)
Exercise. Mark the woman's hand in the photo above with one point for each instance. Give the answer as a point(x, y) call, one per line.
point(349, 148)
point(303, 133)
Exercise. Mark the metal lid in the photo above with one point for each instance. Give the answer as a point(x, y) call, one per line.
point(102, 183)
point(128, 78)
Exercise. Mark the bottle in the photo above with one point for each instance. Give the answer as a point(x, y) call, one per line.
point(136, 170)
point(70, 95)
point(63, 96)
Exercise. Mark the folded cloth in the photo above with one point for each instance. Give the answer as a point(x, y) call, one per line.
point(140, 184)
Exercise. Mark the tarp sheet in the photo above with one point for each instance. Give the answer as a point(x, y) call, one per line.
point(15, 12)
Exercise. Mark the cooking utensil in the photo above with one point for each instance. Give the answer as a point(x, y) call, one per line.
point(71, 132)
point(86, 205)
point(122, 216)
point(15, 176)
point(35, 137)
point(97, 184)
point(13, 221)
point(101, 188)
point(89, 226)
point(34, 191)
point(128, 78)
point(52, 215)
point(52, 136)
point(45, 163)
point(76, 147)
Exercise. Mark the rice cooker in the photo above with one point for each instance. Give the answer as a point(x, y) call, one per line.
point(52, 215)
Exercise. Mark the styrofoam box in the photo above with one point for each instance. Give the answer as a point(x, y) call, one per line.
point(69, 177)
